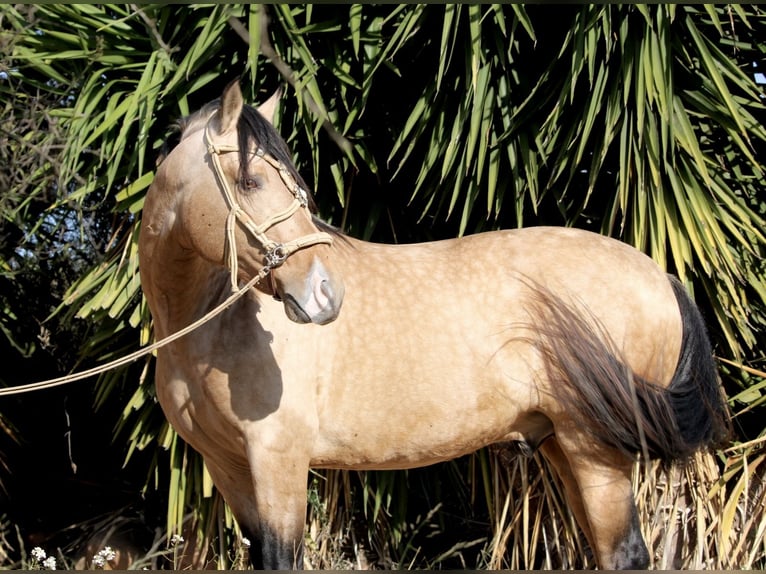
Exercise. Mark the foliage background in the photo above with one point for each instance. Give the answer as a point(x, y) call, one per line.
point(413, 122)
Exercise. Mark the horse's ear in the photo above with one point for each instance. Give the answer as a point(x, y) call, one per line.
point(268, 108)
point(231, 107)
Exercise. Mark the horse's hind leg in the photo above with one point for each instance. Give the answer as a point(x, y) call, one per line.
point(598, 486)
point(556, 458)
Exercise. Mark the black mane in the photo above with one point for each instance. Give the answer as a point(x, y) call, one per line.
point(255, 131)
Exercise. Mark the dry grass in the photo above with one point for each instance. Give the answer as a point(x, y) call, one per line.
point(693, 517)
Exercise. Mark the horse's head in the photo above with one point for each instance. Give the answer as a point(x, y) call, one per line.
point(242, 203)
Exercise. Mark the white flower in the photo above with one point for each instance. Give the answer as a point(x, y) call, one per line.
point(176, 539)
point(38, 554)
point(104, 556)
point(49, 563)
point(245, 542)
point(107, 553)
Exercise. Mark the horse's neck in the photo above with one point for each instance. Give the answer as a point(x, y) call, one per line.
point(182, 287)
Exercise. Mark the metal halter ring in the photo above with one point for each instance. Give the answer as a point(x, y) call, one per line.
point(276, 255)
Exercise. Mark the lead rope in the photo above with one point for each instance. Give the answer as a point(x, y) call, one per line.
point(141, 352)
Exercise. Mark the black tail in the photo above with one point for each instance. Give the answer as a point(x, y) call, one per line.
point(695, 393)
point(618, 408)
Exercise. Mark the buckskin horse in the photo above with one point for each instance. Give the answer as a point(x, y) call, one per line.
point(356, 355)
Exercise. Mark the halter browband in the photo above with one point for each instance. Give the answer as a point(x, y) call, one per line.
point(275, 253)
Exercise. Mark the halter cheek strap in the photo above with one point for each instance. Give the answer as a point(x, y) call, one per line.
point(275, 253)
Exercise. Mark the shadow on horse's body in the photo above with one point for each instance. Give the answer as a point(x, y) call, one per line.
point(559, 338)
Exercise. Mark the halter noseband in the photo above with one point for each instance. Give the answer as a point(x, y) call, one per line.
point(275, 253)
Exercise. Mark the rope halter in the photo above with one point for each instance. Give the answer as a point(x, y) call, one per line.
point(275, 253)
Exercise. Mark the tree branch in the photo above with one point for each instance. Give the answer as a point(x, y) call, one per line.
point(287, 73)
point(152, 25)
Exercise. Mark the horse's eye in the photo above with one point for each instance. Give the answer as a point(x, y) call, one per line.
point(251, 182)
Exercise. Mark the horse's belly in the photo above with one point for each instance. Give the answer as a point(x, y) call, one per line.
point(377, 451)
point(382, 453)
point(417, 431)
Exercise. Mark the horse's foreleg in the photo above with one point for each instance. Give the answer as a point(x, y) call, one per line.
point(279, 480)
point(599, 487)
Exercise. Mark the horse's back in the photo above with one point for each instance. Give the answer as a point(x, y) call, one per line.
point(621, 288)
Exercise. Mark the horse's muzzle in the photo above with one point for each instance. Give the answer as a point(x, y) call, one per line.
point(317, 301)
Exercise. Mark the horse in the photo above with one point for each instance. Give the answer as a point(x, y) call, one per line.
point(349, 354)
